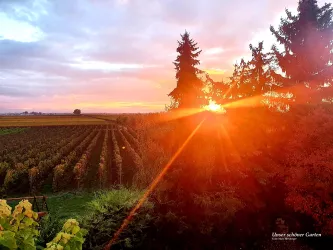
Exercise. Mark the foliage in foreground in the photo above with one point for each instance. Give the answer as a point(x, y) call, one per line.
point(106, 214)
point(19, 230)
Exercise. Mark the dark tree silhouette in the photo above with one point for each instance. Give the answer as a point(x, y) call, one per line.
point(255, 77)
point(246, 86)
point(188, 93)
point(240, 81)
point(307, 40)
point(232, 93)
point(260, 71)
point(77, 112)
point(219, 91)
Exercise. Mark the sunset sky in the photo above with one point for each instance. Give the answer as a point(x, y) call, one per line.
point(116, 56)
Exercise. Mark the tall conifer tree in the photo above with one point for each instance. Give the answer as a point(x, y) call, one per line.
point(307, 40)
point(188, 93)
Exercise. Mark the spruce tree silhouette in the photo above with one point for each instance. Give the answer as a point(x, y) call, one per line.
point(307, 56)
point(260, 70)
point(188, 93)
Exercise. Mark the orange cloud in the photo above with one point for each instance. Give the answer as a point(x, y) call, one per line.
point(215, 71)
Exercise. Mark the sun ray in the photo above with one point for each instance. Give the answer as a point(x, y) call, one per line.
point(151, 187)
point(224, 161)
point(181, 113)
point(284, 95)
point(253, 101)
point(230, 144)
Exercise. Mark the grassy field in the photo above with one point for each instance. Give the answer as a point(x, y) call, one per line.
point(54, 120)
point(66, 205)
point(69, 205)
point(7, 131)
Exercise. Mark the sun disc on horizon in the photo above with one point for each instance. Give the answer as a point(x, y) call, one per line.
point(214, 107)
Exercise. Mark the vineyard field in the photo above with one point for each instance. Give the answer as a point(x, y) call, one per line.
point(71, 157)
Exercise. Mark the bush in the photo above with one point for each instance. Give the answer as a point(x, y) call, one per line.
point(107, 213)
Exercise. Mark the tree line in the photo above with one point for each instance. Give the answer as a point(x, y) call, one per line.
point(299, 70)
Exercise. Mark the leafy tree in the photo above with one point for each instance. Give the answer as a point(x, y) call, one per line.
point(188, 93)
point(307, 41)
point(77, 112)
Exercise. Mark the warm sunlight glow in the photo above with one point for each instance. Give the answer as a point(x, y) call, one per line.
point(213, 106)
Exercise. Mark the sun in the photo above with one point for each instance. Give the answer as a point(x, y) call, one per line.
point(214, 107)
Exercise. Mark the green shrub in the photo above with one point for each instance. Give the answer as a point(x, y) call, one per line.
point(107, 213)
